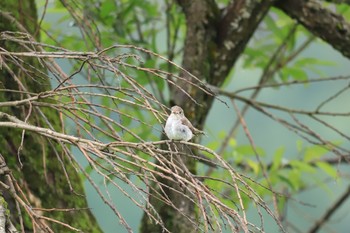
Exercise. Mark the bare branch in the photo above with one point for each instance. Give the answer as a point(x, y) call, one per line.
point(330, 211)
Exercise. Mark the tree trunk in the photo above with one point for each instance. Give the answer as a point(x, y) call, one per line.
point(35, 162)
point(212, 46)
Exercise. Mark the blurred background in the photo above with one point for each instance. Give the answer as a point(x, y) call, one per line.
point(292, 83)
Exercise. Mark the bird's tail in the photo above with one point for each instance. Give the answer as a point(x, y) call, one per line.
point(199, 132)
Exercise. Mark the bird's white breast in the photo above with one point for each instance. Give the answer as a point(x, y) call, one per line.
point(175, 130)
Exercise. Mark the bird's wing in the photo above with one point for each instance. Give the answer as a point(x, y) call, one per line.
point(186, 122)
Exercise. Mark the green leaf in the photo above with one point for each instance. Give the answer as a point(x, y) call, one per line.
point(88, 169)
point(213, 145)
point(291, 182)
point(307, 61)
point(281, 203)
point(236, 157)
point(302, 166)
point(249, 150)
point(222, 134)
point(343, 10)
point(232, 142)
point(253, 165)
point(281, 20)
point(327, 168)
point(106, 8)
point(294, 73)
point(299, 145)
point(271, 24)
point(314, 152)
point(277, 158)
point(256, 57)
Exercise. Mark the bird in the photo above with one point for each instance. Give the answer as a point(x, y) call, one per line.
point(178, 127)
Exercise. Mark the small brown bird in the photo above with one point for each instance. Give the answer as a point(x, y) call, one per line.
point(178, 127)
